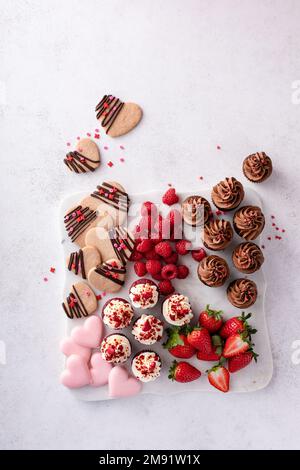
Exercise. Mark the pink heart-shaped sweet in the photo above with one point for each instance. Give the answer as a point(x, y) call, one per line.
point(120, 384)
point(68, 346)
point(99, 370)
point(76, 373)
point(90, 333)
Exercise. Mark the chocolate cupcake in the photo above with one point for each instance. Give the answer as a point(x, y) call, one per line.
point(196, 210)
point(247, 257)
point(248, 222)
point(217, 234)
point(257, 167)
point(117, 313)
point(144, 293)
point(115, 348)
point(213, 271)
point(227, 194)
point(242, 293)
point(146, 366)
point(148, 329)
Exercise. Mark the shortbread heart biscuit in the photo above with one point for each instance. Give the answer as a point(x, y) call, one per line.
point(78, 221)
point(82, 261)
point(81, 301)
point(117, 242)
point(117, 117)
point(85, 158)
point(111, 203)
point(108, 276)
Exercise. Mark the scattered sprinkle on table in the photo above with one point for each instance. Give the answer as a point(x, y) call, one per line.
point(52, 270)
point(110, 164)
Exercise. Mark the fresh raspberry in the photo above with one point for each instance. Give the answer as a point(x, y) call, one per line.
point(198, 255)
point(149, 208)
point(140, 268)
point(136, 256)
point(182, 247)
point(182, 271)
point(144, 246)
point(172, 259)
point(170, 197)
point(169, 271)
point(157, 277)
point(153, 266)
point(165, 287)
point(151, 254)
point(163, 249)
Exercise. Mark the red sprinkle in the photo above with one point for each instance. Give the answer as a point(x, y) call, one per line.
point(52, 270)
point(45, 279)
point(122, 160)
point(269, 238)
point(170, 184)
point(78, 138)
point(200, 177)
point(105, 147)
point(68, 144)
point(97, 136)
point(273, 225)
point(110, 164)
point(283, 230)
point(272, 216)
point(121, 147)
point(97, 130)
point(88, 134)
point(263, 247)
point(219, 147)
point(99, 297)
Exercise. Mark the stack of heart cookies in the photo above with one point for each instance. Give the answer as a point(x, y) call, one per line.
point(97, 225)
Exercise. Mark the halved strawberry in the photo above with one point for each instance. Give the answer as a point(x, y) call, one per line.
point(199, 338)
point(183, 372)
point(177, 343)
point(236, 325)
point(217, 350)
point(241, 360)
point(219, 377)
point(211, 319)
point(236, 344)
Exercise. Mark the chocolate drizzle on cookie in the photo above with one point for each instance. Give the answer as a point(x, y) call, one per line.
point(113, 196)
point(75, 305)
point(122, 242)
point(78, 220)
point(108, 109)
point(77, 162)
point(76, 263)
point(111, 272)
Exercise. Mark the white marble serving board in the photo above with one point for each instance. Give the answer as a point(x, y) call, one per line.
point(254, 377)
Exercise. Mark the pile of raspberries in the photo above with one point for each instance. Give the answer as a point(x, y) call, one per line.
point(159, 242)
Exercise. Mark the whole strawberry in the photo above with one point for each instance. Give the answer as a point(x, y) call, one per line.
point(236, 344)
point(211, 319)
point(199, 338)
point(183, 372)
point(236, 325)
point(177, 343)
point(219, 377)
point(216, 353)
point(240, 361)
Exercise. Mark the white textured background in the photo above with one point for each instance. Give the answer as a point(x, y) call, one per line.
point(206, 73)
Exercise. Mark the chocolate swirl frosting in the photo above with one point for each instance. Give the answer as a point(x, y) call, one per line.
point(196, 210)
point(242, 293)
point(217, 234)
point(227, 194)
point(213, 271)
point(249, 222)
point(247, 257)
point(257, 167)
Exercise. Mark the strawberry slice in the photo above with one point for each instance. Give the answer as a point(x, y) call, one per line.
point(240, 361)
point(177, 343)
point(219, 377)
point(236, 344)
point(183, 372)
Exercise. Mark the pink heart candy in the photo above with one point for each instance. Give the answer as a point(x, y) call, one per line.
point(120, 384)
point(68, 346)
point(90, 333)
point(76, 373)
point(99, 370)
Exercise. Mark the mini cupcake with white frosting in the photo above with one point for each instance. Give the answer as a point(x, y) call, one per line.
point(115, 348)
point(177, 310)
point(117, 313)
point(144, 294)
point(146, 366)
point(148, 329)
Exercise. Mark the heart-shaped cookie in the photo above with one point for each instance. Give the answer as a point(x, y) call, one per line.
point(68, 347)
point(78, 221)
point(108, 276)
point(120, 384)
point(90, 333)
point(76, 373)
point(99, 370)
point(117, 117)
point(82, 261)
point(110, 202)
point(85, 158)
point(118, 243)
point(81, 301)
